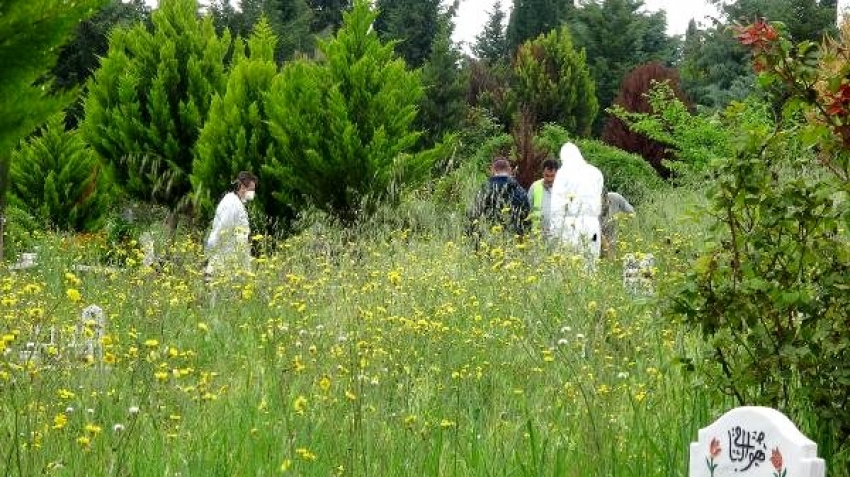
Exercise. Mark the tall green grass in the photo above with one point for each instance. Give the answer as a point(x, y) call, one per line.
point(384, 351)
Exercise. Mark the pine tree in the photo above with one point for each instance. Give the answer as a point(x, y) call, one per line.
point(715, 68)
point(80, 57)
point(149, 99)
point(443, 105)
point(236, 135)
point(617, 36)
point(532, 18)
point(412, 23)
point(491, 45)
point(343, 127)
point(290, 21)
point(57, 177)
point(553, 85)
point(327, 15)
point(32, 32)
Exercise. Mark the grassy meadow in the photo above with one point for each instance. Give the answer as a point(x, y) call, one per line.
point(384, 352)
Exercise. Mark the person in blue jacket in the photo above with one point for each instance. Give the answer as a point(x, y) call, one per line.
point(501, 202)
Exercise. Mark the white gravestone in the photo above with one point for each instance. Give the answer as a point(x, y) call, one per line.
point(87, 342)
point(638, 273)
point(754, 442)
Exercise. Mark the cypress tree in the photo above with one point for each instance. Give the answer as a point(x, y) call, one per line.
point(413, 24)
point(344, 127)
point(491, 45)
point(236, 136)
point(57, 177)
point(532, 18)
point(553, 85)
point(149, 99)
point(444, 104)
point(617, 36)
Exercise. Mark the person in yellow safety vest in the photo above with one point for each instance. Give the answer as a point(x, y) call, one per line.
point(540, 194)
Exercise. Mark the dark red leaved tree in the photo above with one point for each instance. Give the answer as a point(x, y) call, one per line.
point(632, 98)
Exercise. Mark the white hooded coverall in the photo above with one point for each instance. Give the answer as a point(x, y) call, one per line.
point(227, 246)
point(577, 203)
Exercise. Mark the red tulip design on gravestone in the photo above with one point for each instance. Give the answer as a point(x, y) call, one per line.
point(713, 452)
point(776, 460)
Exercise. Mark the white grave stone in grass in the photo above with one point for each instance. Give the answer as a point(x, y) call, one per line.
point(754, 442)
point(87, 342)
point(638, 273)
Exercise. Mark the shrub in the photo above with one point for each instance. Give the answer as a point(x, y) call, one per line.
point(694, 141)
point(59, 180)
point(19, 232)
point(769, 289)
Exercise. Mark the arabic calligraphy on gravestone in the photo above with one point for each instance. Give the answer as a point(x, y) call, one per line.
point(754, 442)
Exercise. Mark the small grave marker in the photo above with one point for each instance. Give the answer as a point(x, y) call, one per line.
point(638, 273)
point(754, 442)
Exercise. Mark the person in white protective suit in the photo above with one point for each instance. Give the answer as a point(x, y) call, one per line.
point(577, 203)
point(228, 247)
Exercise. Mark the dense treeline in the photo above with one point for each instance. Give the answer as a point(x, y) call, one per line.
point(171, 103)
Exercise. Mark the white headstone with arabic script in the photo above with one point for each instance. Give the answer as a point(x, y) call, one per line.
point(754, 442)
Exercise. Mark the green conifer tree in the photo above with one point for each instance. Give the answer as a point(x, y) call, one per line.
point(149, 99)
point(236, 135)
point(31, 32)
point(491, 45)
point(617, 35)
point(552, 83)
point(327, 15)
point(344, 127)
point(57, 177)
point(444, 104)
point(413, 24)
point(532, 18)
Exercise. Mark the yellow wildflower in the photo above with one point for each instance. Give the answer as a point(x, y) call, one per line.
point(305, 454)
point(300, 405)
point(74, 295)
point(60, 421)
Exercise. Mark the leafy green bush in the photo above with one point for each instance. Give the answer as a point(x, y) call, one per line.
point(20, 232)
point(769, 289)
point(697, 141)
point(59, 180)
point(478, 127)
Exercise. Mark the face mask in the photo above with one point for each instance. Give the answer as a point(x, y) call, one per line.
point(249, 196)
